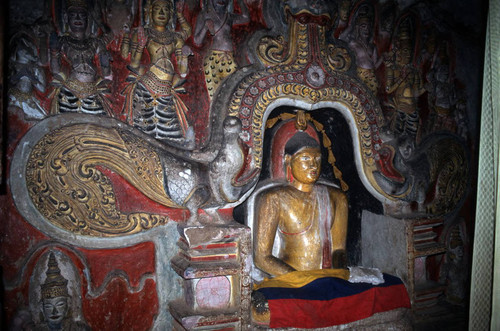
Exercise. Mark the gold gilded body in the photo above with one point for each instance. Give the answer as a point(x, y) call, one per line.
point(293, 213)
point(161, 42)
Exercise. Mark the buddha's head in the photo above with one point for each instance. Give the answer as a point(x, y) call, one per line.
point(160, 13)
point(54, 290)
point(303, 159)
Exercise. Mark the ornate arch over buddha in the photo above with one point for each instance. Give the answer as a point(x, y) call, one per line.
point(314, 74)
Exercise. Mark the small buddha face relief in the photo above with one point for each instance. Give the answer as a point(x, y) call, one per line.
point(306, 165)
point(77, 19)
point(55, 309)
point(160, 13)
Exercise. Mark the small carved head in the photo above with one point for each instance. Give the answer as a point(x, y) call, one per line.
point(159, 13)
point(55, 295)
point(364, 22)
point(77, 17)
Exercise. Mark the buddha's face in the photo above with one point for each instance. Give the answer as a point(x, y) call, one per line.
point(55, 309)
point(77, 19)
point(306, 165)
point(160, 13)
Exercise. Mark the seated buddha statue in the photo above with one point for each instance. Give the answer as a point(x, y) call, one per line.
point(299, 241)
point(310, 219)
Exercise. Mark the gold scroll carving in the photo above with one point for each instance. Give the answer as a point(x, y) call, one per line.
point(66, 182)
point(274, 51)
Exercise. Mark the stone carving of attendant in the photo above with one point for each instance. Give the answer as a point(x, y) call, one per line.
point(55, 303)
point(453, 271)
point(81, 88)
point(26, 76)
point(217, 18)
point(344, 7)
point(119, 17)
point(387, 17)
point(360, 39)
point(404, 85)
point(442, 94)
point(152, 103)
point(309, 218)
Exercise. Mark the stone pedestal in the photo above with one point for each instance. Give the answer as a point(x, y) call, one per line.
point(214, 262)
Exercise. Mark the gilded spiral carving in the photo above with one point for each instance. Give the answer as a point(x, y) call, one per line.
point(450, 172)
point(277, 53)
point(66, 180)
point(271, 50)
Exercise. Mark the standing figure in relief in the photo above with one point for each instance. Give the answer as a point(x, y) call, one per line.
point(454, 271)
point(152, 104)
point(217, 18)
point(442, 94)
point(309, 218)
point(119, 17)
point(81, 88)
point(360, 39)
point(26, 76)
point(404, 85)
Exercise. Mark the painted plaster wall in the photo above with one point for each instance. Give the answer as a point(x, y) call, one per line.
point(128, 285)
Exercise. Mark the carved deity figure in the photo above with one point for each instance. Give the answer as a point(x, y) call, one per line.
point(309, 218)
point(453, 271)
point(119, 17)
point(217, 18)
point(387, 17)
point(442, 94)
point(56, 308)
point(153, 104)
point(82, 84)
point(360, 39)
point(344, 8)
point(404, 85)
point(27, 76)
